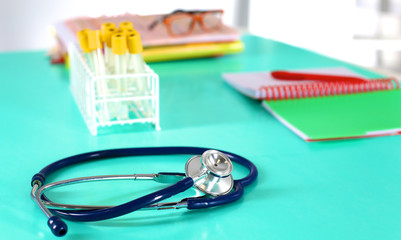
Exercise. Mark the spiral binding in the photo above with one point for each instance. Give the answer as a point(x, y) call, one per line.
point(320, 89)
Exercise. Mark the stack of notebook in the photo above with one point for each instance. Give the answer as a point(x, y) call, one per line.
point(326, 109)
point(158, 44)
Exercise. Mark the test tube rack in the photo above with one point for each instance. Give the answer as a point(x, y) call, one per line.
point(104, 103)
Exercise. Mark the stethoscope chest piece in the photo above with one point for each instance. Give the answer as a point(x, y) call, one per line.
point(211, 172)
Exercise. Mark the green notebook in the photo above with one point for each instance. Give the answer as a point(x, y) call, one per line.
point(324, 110)
point(338, 117)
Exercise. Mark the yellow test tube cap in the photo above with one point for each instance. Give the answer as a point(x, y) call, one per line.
point(107, 35)
point(118, 44)
point(104, 28)
point(108, 25)
point(83, 40)
point(94, 39)
point(126, 25)
point(128, 31)
point(134, 43)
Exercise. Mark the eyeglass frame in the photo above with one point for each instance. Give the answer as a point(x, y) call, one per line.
point(196, 15)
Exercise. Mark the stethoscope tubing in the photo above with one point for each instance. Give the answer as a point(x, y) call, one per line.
point(148, 151)
point(136, 204)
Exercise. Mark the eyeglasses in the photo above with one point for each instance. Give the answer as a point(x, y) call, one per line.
point(181, 23)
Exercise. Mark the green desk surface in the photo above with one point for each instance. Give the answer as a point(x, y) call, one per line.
point(324, 190)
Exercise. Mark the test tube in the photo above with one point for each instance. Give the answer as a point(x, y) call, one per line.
point(107, 29)
point(136, 65)
point(95, 45)
point(119, 50)
point(109, 61)
point(84, 44)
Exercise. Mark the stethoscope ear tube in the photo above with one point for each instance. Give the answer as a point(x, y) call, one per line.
point(103, 214)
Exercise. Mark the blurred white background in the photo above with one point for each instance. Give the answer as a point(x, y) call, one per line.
point(364, 32)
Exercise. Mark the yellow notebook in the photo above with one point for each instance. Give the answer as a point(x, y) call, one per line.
point(195, 50)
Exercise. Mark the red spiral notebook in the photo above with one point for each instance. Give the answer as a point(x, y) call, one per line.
point(327, 110)
point(262, 85)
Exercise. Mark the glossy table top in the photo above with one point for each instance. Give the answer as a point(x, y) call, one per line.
point(348, 189)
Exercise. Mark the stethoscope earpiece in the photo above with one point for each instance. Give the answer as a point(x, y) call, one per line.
point(211, 172)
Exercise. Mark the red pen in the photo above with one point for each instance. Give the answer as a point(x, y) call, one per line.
point(284, 75)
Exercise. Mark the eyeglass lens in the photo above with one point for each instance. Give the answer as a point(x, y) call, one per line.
point(212, 20)
point(181, 23)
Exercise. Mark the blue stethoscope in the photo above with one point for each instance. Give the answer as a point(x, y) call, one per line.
point(209, 171)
